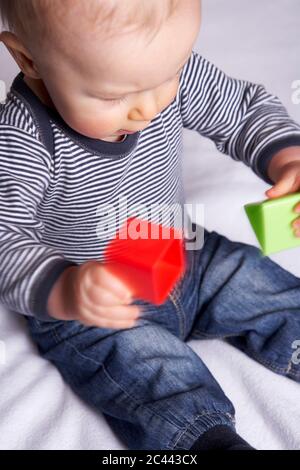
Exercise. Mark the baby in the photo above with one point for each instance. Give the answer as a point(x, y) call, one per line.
point(94, 119)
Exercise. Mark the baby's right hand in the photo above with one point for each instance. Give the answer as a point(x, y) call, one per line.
point(90, 294)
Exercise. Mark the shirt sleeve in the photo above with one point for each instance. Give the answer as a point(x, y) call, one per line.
point(28, 267)
point(241, 118)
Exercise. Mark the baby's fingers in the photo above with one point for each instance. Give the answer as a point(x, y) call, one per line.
point(105, 298)
point(115, 318)
point(119, 313)
point(96, 275)
point(112, 283)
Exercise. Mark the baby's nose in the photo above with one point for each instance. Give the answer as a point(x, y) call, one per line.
point(145, 108)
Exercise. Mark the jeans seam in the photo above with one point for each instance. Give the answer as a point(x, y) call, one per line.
point(249, 352)
point(172, 445)
point(270, 365)
point(199, 335)
point(180, 312)
point(140, 405)
point(175, 295)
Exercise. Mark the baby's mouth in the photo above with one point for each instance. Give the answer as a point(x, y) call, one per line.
point(125, 131)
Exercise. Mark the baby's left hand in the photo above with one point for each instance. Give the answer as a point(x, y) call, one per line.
point(287, 182)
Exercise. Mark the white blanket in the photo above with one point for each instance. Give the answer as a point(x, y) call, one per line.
point(258, 41)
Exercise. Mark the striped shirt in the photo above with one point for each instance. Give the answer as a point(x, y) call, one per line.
point(57, 187)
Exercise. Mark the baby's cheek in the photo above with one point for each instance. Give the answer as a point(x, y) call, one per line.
point(93, 124)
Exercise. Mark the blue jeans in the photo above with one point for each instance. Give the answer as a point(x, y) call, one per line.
point(153, 389)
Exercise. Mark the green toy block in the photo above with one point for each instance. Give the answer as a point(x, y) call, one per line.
point(272, 220)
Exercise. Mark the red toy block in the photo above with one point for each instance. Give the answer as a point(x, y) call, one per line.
point(148, 258)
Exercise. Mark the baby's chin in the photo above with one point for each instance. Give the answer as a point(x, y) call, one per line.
point(88, 132)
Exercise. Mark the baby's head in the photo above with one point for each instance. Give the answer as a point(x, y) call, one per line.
point(105, 65)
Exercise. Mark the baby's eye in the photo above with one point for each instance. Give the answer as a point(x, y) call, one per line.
point(115, 100)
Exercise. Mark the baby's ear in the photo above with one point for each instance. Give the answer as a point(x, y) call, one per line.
point(20, 54)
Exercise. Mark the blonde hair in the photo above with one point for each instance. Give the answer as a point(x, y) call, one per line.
point(111, 16)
